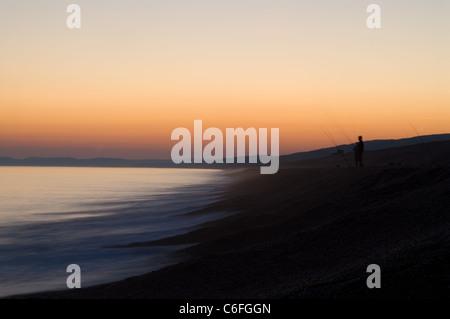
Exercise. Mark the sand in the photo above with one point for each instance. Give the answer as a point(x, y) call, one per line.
point(311, 232)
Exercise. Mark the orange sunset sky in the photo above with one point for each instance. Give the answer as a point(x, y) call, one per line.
point(136, 70)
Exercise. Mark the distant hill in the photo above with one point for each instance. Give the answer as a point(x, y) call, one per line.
point(368, 146)
point(302, 156)
point(424, 154)
point(92, 162)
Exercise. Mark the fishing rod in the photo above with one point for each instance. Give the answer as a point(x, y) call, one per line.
point(428, 152)
point(338, 151)
point(336, 123)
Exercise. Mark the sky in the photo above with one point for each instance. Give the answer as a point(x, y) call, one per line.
point(136, 70)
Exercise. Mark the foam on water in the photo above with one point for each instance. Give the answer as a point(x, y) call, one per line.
point(53, 217)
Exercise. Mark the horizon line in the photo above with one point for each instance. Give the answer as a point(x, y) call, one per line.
point(247, 156)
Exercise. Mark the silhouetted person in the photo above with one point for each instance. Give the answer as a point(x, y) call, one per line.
point(359, 150)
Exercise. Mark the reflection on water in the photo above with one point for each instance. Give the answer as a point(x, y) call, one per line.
point(51, 217)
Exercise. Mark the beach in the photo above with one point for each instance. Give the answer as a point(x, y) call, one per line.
point(309, 232)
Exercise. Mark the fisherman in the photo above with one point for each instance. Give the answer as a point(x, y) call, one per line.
point(359, 150)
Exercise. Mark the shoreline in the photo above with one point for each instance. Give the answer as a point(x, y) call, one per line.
point(308, 233)
point(86, 241)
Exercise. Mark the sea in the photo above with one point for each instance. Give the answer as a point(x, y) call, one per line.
point(53, 217)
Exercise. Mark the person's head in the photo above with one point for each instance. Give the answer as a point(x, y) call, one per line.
point(360, 138)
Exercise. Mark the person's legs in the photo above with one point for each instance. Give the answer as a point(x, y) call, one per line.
point(360, 161)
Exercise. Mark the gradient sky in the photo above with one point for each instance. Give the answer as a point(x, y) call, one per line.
point(136, 70)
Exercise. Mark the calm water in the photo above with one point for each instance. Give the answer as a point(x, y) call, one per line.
point(51, 217)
